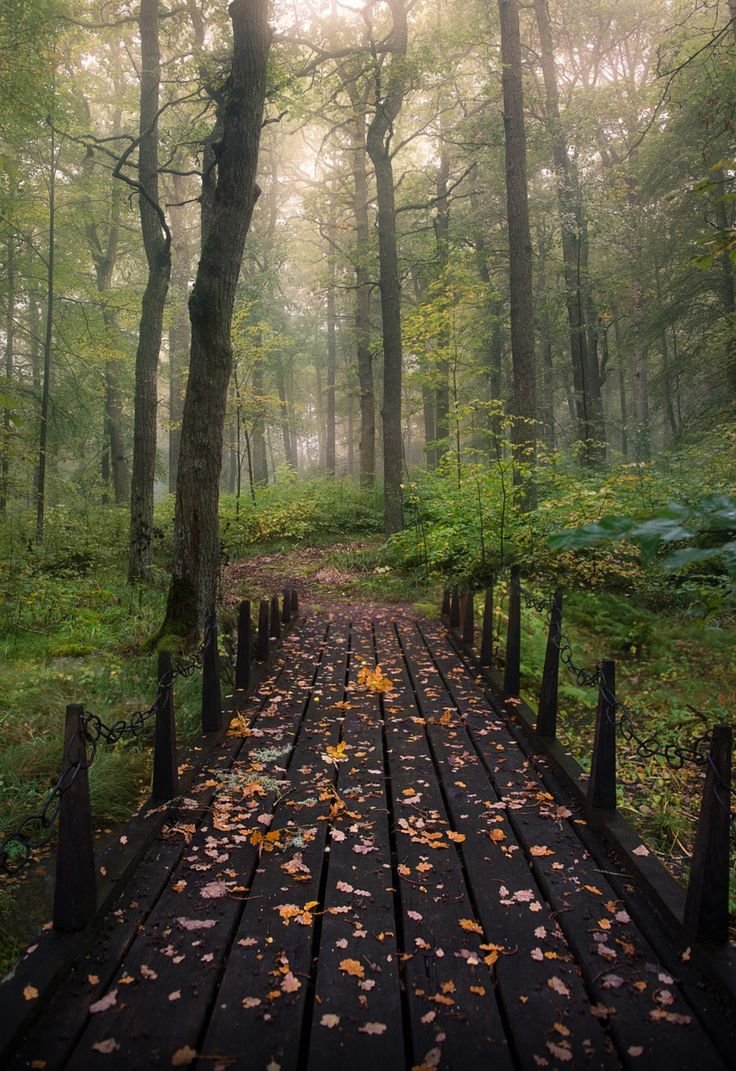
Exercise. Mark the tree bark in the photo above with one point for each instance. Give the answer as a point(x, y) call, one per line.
point(524, 433)
point(588, 402)
point(442, 245)
point(157, 245)
point(363, 299)
point(9, 368)
point(179, 334)
point(331, 333)
point(387, 102)
point(196, 528)
point(43, 433)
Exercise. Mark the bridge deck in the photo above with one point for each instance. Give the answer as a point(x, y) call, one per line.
point(371, 879)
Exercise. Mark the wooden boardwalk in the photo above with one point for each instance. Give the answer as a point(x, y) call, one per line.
point(378, 880)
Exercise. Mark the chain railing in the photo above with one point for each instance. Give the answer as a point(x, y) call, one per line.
point(706, 909)
point(35, 831)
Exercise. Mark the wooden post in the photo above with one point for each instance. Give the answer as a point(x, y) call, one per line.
point(469, 619)
point(486, 643)
point(211, 695)
point(262, 639)
point(547, 713)
point(245, 645)
point(602, 783)
point(286, 609)
point(165, 774)
point(455, 609)
point(75, 890)
point(706, 904)
point(275, 616)
point(512, 669)
point(294, 602)
point(445, 612)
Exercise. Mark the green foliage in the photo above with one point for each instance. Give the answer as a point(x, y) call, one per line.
point(291, 512)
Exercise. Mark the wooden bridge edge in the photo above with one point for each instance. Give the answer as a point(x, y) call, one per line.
point(54, 953)
point(663, 891)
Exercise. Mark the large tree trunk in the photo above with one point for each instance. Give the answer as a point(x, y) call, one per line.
point(589, 406)
point(43, 432)
point(442, 370)
point(524, 434)
point(258, 426)
point(179, 334)
point(363, 301)
point(157, 244)
point(9, 362)
point(288, 439)
point(388, 103)
point(196, 529)
point(331, 333)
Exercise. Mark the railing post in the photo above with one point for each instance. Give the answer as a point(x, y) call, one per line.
point(547, 713)
point(455, 608)
point(445, 611)
point(245, 644)
point(294, 602)
point(602, 783)
point(469, 619)
point(75, 890)
point(512, 669)
point(286, 608)
point(262, 639)
point(211, 694)
point(486, 642)
point(165, 773)
point(706, 904)
point(275, 617)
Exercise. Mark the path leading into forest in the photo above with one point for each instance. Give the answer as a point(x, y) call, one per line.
point(371, 873)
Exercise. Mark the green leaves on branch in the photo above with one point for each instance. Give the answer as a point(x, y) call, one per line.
point(710, 527)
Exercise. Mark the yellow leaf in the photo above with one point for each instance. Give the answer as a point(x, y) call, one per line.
point(457, 838)
point(30, 992)
point(352, 967)
point(183, 1057)
point(471, 926)
point(497, 835)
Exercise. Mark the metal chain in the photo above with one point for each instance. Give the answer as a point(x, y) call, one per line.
point(534, 602)
point(35, 831)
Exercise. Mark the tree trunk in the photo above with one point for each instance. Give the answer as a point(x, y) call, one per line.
point(258, 428)
point(588, 403)
point(9, 363)
point(524, 433)
point(196, 529)
point(387, 107)
point(289, 446)
point(179, 334)
point(43, 434)
point(157, 244)
point(442, 371)
point(331, 333)
point(363, 300)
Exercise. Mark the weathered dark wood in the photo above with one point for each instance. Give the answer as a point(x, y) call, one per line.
point(602, 784)
point(455, 608)
point(486, 642)
point(211, 692)
point(469, 619)
point(275, 616)
point(445, 611)
point(547, 713)
point(706, 906)
point(263, 629)
point(75, 889)
point(512, 668)
point(294, 602)
point(286, 607)
point(244, 654)
point(165, 776)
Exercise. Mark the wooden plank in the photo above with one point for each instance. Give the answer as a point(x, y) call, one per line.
point(266, 991)
point(508, 900)
point(450, 991)
point(357, 1021)
point(159, 997)
point(648, 1009)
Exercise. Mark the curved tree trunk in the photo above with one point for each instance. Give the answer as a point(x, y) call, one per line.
point(157, 244)
point(524, 435)
point(196, 529)
point(363, 299)
point(388, 103)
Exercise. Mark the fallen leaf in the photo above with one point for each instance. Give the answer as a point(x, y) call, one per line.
point(540, 850)
point(183, 1057)
point(329, 1021)
point(214, 891)
point(291, 983)
point(372, 1028)
point(106, 1047)
point(562, 1054)
point(176, 995)
point(352, 967)
point(641, 850)
point(635, 1050)
point(30, 992)
point(558, 986)
point(147, 973)
point(456, 838)
point(497, 835)
point(470, 926)
point(105, 1002)
point(196, 924)
point(251, 1002)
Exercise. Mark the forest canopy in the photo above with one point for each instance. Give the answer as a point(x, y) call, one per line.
point(483, 234)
